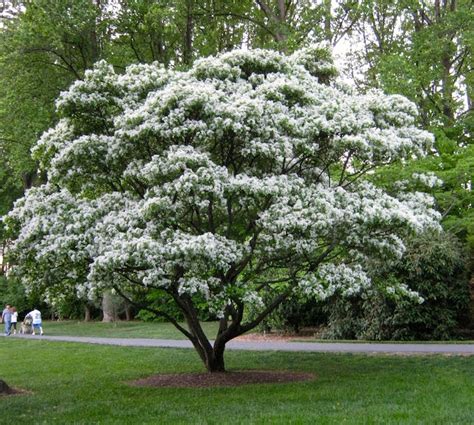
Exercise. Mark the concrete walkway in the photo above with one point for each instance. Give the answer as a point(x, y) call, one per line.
point(334, 347)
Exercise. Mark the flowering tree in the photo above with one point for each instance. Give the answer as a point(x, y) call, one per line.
point(237, 183)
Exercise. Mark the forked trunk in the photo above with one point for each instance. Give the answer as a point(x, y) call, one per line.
point(212, 357)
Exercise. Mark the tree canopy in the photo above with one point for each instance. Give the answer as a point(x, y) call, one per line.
point(236, 183)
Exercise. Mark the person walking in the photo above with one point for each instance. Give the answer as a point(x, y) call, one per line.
point(7, 319)
point(36, 316)
point(14, 319)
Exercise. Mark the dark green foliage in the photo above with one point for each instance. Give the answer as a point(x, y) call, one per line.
point(13, 293)
point(159, 301)
point(434, 266)
point(71, 307)
point(293, 315)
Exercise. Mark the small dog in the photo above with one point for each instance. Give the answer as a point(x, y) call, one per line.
point(27, 326)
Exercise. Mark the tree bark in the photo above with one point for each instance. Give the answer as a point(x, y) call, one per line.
point(95, 47)
point(447, 88)
point(108, 308)
point(188, 34)
point(128, 312)
point(87, 313)
point(212, 359)
point(216, 362)
point(279, 19)
point(3, 264)
point(327, 4)
point(213, 356)
point(4, 388)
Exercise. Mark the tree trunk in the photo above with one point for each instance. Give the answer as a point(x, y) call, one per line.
point(87, 313)
point(4, 388)
point(213, 356)
point(128, 312)
point(279, 21)
point(216, 362)
point(327, 4)
point(95, 47)
point(28, 178)
point(447, 88)
point(3, 265)
point(471, 293)
point(108, 308)
point(188, 34)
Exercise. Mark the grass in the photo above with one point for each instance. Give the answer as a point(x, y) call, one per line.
point(121, 329)
point(166, 330)
point(74, 383)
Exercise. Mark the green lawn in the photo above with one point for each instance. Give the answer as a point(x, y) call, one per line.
point(166, 330)
point(74, 383)
point(121, 329)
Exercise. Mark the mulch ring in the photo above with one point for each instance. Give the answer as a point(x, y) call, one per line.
point(221, 379)
point(13, 391)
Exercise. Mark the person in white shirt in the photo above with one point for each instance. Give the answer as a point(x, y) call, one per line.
point(36, 316)
point(14, 319)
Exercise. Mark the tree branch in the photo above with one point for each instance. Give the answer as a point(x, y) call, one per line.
point(171, 319)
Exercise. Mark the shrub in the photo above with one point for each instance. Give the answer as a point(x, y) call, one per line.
point(435, 266)
point(293, 315)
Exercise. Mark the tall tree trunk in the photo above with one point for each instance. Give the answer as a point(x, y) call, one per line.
point(109, 308)
point(28, 178)
point(447, 88)
point(471, 294)
point(279, 20)
point(2, 257)
point(128, 312)
point(469, 95)
point(188, 34)
point(95, 48)
point(447, 52)
point(87, 313)
point(327, 20)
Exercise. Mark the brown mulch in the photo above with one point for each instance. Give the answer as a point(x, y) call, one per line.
point(13, 392)
point(221, 379)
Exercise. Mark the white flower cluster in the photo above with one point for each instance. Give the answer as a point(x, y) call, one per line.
point(402, 290)
point(430, 180)
point(334, 278)
point(317, 60)
point(184, 181)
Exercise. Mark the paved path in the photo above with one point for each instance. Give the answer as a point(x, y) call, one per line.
point(336, 347)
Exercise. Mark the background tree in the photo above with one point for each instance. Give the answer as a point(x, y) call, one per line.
point(43, 50)
point(435, 266)
point(400, 56)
